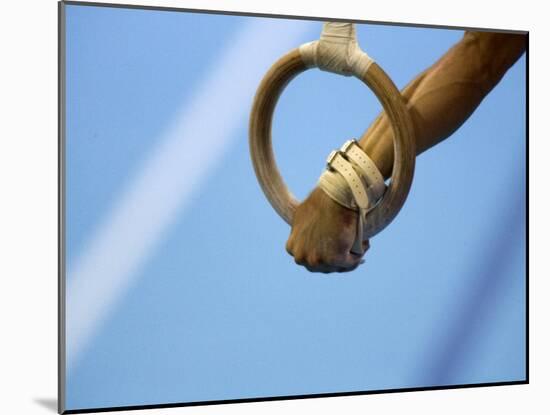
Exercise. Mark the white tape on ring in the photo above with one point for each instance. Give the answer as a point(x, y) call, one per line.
point(337, 51)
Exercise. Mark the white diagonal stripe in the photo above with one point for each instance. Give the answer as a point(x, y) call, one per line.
point(189, 149)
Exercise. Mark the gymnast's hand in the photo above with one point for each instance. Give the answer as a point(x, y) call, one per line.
point(323, 232)
point(322, 235)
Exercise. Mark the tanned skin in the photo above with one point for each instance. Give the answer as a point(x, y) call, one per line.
point(440, 100)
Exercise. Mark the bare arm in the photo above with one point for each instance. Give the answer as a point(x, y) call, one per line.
point(440, 99)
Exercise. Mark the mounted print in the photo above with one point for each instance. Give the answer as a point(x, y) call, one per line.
point(262, 207)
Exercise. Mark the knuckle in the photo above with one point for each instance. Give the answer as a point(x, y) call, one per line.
point(311, 269)
point(289, 247)
point(334, 258)
point(313, 260)
point(299, 258)
point(346, 269)
point(351, 263)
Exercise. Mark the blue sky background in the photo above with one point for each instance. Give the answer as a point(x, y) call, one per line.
point(218, 309)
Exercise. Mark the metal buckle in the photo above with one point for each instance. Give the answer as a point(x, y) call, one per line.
point(342, 151)
point(346, 146)
point(331, 157)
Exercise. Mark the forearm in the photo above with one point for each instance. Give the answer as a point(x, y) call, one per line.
point(442, 97)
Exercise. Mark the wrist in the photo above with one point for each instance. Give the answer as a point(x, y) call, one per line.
point(352, 178)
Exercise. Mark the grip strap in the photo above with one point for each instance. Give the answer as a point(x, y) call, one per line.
point(353, 180)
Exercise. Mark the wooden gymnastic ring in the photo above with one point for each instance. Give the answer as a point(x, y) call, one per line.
point(261, 151)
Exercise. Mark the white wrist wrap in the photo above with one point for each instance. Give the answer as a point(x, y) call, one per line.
point(353, 180)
